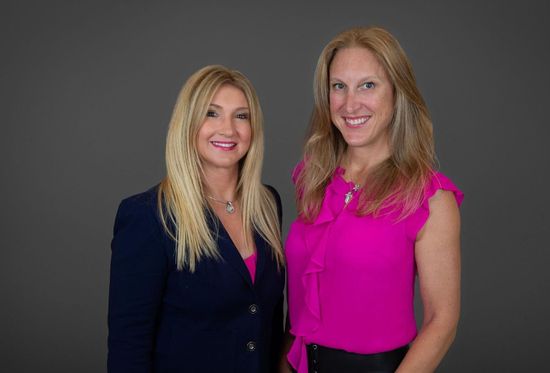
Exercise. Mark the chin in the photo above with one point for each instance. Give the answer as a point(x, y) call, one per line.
point(221, 164)
point(355, 142)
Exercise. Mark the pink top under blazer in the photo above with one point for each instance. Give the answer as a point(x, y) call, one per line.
point(351, 278)
point(251, 265)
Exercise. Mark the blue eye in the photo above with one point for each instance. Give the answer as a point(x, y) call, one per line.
point(243, 116)
point(211, 113)
point(337, 86)
point(368, 85)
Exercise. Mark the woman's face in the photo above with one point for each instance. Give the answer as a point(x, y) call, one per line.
point(361, 98)
point(224, 136)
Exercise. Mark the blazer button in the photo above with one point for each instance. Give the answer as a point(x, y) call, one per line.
point(253, 309)
point(251, 346)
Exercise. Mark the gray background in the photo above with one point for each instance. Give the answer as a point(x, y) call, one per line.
point(86, 92)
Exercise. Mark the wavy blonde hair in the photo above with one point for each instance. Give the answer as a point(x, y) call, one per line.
point(181, 197)
point(398, 183)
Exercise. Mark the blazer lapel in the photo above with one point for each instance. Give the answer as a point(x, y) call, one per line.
point(231, 255)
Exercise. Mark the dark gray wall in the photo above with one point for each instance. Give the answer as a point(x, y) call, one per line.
point(86, 92)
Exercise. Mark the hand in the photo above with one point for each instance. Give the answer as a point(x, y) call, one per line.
point(284, 366)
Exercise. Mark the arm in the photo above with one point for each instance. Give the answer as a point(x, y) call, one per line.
point(437, 254)
point(281, 342)
point(279, 205)
point(277, 335)
point(284, 365)
point(138, 273)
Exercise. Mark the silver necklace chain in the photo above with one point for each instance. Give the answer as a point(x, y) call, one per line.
point(229, 208)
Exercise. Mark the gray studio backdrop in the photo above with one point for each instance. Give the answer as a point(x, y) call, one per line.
point(87, 90)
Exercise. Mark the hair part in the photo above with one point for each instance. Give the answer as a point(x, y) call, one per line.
point(398, 183)
point(182, 205)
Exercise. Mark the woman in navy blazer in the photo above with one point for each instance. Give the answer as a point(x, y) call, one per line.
point(197, 271)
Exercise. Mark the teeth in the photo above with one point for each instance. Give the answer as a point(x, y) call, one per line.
point(356, 122)
point(224, 144)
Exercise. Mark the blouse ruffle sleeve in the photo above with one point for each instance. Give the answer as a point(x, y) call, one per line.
point(419, 218)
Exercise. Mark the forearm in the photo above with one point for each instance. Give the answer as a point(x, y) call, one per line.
point(288, 339)
point(284, 365)
point(277, 331)
point(429, 347)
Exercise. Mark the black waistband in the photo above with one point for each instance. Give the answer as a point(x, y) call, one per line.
point(328, 360)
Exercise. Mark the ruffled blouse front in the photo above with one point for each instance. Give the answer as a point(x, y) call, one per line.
point(351, 278)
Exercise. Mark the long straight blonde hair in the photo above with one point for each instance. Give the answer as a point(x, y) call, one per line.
point(182, 205)
point(397, 184)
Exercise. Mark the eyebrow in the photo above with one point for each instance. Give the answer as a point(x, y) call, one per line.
point(237, 109)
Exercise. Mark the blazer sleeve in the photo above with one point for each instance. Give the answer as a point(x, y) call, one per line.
point(139, 268)
point(278, 203)
point(277, 328)
point(277, 332)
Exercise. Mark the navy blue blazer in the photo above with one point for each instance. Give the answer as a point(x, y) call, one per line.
point(213, 320)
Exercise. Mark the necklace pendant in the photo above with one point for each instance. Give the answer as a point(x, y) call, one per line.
point(229, 208)
point(348, 197)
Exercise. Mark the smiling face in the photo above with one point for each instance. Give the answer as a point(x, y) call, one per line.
point(224, 137)
point(361, 99)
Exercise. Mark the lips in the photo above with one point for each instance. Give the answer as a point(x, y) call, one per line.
point(224, 145)
point(355, 122)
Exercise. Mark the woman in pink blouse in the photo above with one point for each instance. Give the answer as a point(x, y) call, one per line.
point(373, 215)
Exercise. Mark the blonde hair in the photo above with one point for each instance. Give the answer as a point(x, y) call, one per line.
point(181, 197)
point(397, 184)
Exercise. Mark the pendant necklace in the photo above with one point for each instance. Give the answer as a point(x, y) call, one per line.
point(229, 208)
point(350, 194)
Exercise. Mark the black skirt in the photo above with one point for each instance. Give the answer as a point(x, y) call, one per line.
point(329, 360)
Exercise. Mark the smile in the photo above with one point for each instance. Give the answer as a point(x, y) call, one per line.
point(357, 121)
point(225, 145)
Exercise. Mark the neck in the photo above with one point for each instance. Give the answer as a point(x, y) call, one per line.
point(359, 162)
point(221, 183)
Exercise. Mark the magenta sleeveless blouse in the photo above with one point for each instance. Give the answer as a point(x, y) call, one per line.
point(351, 278)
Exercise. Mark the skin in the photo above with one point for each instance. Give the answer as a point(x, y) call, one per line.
point(361, 106)
point(437, 254)
point(284, 365)
point(224, 136)
point(222, 141)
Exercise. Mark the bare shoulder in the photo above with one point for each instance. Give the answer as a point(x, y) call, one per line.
point(444, 215)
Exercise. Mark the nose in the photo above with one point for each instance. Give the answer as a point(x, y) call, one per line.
point(351, 103)
point(227, 127)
